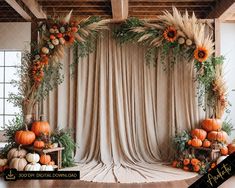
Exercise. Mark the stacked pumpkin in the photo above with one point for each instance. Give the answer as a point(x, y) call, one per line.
point(27, 137)
point(21, 160)
point(210, 135)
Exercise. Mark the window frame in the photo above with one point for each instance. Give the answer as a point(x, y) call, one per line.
point(4, 97)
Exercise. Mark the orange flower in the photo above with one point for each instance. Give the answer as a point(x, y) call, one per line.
point(186, 161)
point(194, 161)
point(170, 34)
point(201, 54)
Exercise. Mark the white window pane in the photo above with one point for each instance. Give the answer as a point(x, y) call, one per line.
point(12, 58)
point(1, 122)
point(1, 90)
point(10, 108)
point(8, 118)
point(1, 58)
point(10, 74)
point(1, 74)
point(9, 88)
point(1, 106)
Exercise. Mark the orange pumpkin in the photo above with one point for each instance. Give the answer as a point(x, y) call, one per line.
point(211, 124)
point(199, 133)
point(206, 144)
point(174, 164)
point(39, 127)
point(213, 165)
point(196, 168)
point(194, 161)
point(39, 144)
point(196, 142)
point(224, 150)
point(186, 161)
point(24, 137)
point(53, 163)
point(45, 159)
point(189, 142)
point(231, 148)
point(219, 136)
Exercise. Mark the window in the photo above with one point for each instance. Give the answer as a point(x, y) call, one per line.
point(9, 61)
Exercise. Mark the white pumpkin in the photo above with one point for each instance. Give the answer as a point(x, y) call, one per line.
point(32, 157)
point(221, 158)
point(46, 168)
point(45, 50)
point(55, 42)
point(3, 162)
point(62, 41)
point(189, 42)
point(33, 167)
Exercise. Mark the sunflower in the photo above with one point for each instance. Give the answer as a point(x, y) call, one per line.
point(170, 34)
point(201, 54)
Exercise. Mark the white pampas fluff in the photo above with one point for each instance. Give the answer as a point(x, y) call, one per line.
point(67, 17)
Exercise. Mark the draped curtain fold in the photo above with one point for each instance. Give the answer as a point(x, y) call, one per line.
point(124, 112)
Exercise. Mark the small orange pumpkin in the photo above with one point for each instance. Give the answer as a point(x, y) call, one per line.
point(219, 136)
point(224, 150)
point(211, 124)
point(39, 144)
point(196, 142)
point(39, 127)
point(206, 144)
point(53, 163)
point(231, 148)
point(199, 133)
point(186, 168)
point(213, 165)
point(186, 161)
point(174, 163)
point(196, 168)
point(45, 159)
point(24, 137)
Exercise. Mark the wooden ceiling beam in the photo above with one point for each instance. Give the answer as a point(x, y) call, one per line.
point(221, 9)
point(172, 1)
point(35, 8)
point(119, 9)
point(19, 9)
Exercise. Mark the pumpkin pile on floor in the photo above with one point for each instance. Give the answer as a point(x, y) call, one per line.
point(23, 160)
point(210, 136)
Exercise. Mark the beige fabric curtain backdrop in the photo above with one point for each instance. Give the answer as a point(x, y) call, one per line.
point(123, 112)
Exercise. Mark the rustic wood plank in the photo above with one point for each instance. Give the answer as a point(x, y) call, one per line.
point(19, 9)
point(220, 8)
point(35, 9)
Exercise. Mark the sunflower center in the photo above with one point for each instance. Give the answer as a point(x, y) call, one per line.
point(66, 37)
point(171, 34)
point(201, 54)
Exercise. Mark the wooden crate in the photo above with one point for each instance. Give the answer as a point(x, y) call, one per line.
point(214, 154)
point(56, 154)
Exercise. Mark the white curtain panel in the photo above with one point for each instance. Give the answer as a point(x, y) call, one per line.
point(124, 113)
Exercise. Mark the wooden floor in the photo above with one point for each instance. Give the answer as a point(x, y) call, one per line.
point(82, 184)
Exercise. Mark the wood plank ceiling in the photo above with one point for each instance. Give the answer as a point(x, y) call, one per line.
point(148, 9)
point(145, 9)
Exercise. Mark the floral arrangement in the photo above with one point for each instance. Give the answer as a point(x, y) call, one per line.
point(180, 35)
point(40, 70)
